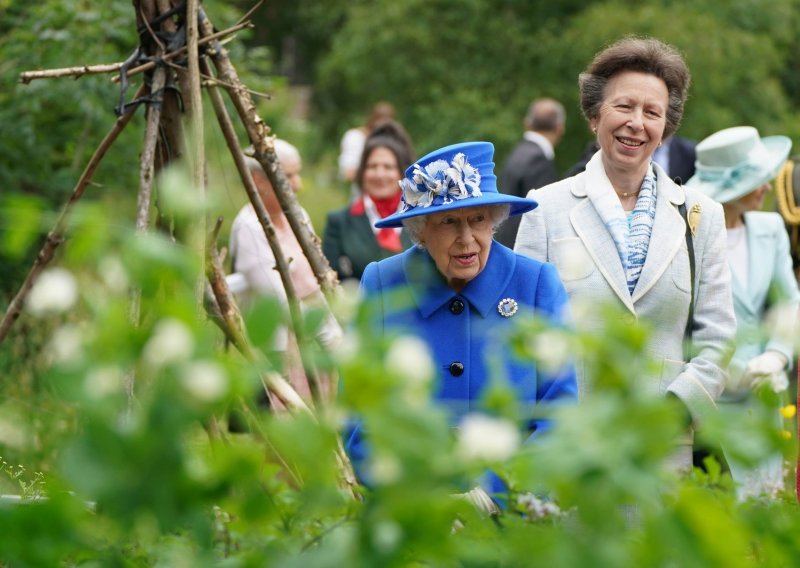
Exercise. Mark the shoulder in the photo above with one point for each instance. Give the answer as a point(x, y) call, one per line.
point(338, 215)
point(559, 191)
point(767, 221)
point(694, 197)
point(244, 218)
point(387, 272)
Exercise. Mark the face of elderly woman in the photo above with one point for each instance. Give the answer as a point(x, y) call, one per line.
point(630, 124)
point(459, 242)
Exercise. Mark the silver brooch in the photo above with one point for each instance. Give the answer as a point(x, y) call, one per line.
point(507, 307)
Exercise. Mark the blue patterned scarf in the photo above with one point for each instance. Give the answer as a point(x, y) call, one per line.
point(631, 237)
point(641, 227)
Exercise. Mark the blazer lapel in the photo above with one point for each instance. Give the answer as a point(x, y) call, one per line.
point(594, 234)
point(669, 232)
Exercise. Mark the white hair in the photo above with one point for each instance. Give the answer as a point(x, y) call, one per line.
point(415, 225)
point(283, 149)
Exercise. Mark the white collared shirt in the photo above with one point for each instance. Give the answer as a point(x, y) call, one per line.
point(543, 142)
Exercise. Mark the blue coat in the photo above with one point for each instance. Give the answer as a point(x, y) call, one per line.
point(465, 330)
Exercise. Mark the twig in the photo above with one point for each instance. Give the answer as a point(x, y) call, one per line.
point(233, 327)
point(250, 12)
point(183, 50)
point(56, 235)
point(269, 232)
point(79, 71)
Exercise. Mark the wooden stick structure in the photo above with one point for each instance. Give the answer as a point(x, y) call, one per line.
point(162, 45)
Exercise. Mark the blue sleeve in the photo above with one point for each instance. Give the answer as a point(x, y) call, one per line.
point(353, 434)
point(552, 303)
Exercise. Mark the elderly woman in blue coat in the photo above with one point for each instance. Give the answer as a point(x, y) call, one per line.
point(735, 167)
point(459, 283)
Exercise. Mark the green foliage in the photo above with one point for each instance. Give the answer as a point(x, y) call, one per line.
point(458, 71)
point(131, 462)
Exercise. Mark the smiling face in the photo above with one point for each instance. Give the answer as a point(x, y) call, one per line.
point(459, 242)
point(631, 120)
point(381, 174)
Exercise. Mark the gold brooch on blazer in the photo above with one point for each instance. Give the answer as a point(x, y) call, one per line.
point(694, 218)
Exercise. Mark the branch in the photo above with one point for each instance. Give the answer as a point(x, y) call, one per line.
point(183, 50)
point(56, 236)
point(259, 134)
point(226, 125)
point(80, 70)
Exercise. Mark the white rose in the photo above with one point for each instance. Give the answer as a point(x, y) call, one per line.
point(113, 273)
point(55, 291)
point(485, 438)
point(409, 357)
point(66, 345)
point(551, 349)
point(102, 382)
point(205, 380)
point(171, 342)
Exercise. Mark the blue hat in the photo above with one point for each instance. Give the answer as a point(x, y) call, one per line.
point(453, 177)
point(736, 161)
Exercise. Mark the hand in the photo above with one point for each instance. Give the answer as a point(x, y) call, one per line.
point(766, 368)
point(481, 500)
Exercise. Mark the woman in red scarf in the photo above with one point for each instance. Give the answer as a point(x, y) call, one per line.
point(350, 241)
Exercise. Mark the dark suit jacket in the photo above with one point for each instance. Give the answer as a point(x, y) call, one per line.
point(682, 156)
point(350, 245)
point(526, 168)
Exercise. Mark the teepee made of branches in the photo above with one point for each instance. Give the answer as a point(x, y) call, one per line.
point(180, 54)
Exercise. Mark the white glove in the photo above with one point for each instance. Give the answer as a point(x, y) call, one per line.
point(481, 500)
point(767, 368)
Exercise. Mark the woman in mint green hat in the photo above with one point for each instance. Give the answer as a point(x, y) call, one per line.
point(735, 167)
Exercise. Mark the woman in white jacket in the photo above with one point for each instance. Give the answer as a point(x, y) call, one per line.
point(617, 232)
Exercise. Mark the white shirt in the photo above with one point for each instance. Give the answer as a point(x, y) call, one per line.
point(738, 254)
point(543, 143)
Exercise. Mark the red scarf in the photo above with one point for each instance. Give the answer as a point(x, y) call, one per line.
point(388, 239)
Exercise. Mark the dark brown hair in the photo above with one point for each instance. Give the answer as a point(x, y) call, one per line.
point(645, 55)
point(392, 136)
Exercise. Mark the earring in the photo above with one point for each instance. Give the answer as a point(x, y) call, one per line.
point(594, 130)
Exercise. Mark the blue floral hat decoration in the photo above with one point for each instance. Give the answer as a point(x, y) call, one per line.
point(461, 175)
point(736, 161)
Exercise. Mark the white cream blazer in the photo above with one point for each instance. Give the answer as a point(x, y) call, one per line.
point(567, 231)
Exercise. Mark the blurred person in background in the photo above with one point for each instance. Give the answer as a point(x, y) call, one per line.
point(735, 167)
point(531, 164)
point(787, 190)
point(350, 240)
point(352, 143)
point(623, 234)
point(460, 291)
point(254, 268)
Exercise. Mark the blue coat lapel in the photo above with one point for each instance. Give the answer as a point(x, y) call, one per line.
point(430, 290)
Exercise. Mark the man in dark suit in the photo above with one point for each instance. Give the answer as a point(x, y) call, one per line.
point(677, 156)
point(531, 165)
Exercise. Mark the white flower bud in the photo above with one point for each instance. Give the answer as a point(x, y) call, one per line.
point(205, 380)
point(384, 469)
point(55, 291)
point(102, 382)
point(485, 438)
point(171, 342)
point(409, 357)
point(66, 345)
point(113, 273)
point(551, 349)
